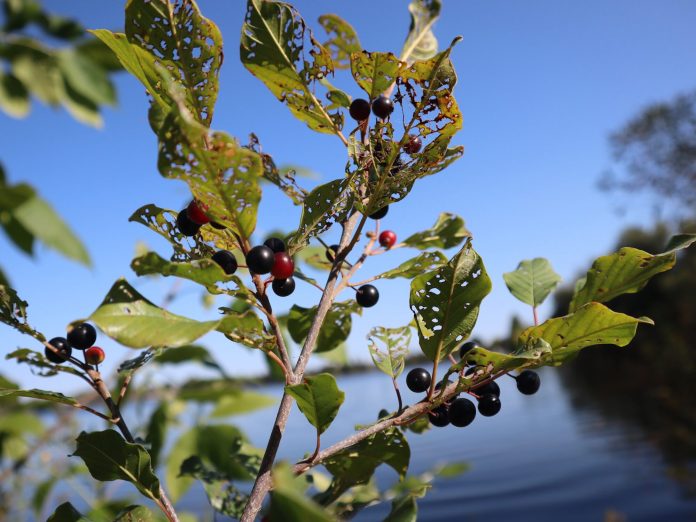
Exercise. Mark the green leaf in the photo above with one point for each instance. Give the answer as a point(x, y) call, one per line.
point(126, 316)
point(14, 97)
point(446, 302)
point(203, 271)
point(325, 205)
point(41, 493)
point(85, 77)
point(187, 354)
point(109, 457)
point(39, 394)
point(99, 53)
point(396, 342)
point(533, 281)
point(36, 68)
point(318, 398)
point(243, 401)
point(415, 266)
point(247, 329)
point(21, 423)
point(343, 40)
point(157, 431)
point(13, 312)
point(276, 48)
point(224, 498)
point(135, 514)
point(589, 325)
point(448, 231)
point(335, 329)
point(375, 72)
point(288, 501)
point(404, 509)
point(66, 512)
point(626, 272)
point(421, 43)
point(284, 178)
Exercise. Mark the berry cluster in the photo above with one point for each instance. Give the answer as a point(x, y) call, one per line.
point(82, 337)
point(461, 412)
point(190, 220)
point(382, 107)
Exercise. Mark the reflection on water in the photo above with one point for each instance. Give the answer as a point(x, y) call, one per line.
point(542, 458)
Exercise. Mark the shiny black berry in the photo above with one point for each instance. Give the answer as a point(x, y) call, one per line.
point(283, 287)
point(382, 107)
point(462, 412)
point(331, 253)
point(226, 260)
point(439, 416)
point(185, 225)
point(413, 145)
point(276, 244)
point(367, 296)
point(380, 213)
point(418, 380)
point(60, 344)
point(359, 109)
point(489, 388)
point(489, 405)
point(82, 336)
point(260, 259)
point(528, 382)
point(466, 348)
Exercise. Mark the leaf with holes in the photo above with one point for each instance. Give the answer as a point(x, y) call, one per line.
point(375, 72)
point(220, 172)
point(589, 325)
point(624, 272)
point(335, 329)
point(423, 262)
point(186, 43)
point(279, 50)
point(533, 281)
point(325, 205)
point(126, 316)
point(13, 312)
point(446, 302)
point(389, 348)
point(318, 398)
point(41, 395)
point(343, 40)
point(284, 180)
point(109, 457)
point(421, 43)
point(246, 328)
point(448, 231)
point(39, 364)
point(224, 498)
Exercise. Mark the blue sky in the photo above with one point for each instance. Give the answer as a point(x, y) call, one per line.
point(541, 85)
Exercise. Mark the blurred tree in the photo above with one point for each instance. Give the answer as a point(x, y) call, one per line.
point(657, 152)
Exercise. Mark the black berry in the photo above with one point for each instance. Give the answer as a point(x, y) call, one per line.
point(439, 416)
point(359, 109)
point(382, 414)
point(226, 260)
point(466, 348)
point(413, 145)
point(418, 380)
point(462, 412)
point(367, 296)
point(260, 259)
point(528, 382)
point(491, 388)
point(489, 405)
point(276, 244)
point(380, 213)
point(331, 253)
point(283, 287)
point(63, 347)
point(82, 336)
point(382, 107)
point(185, 225)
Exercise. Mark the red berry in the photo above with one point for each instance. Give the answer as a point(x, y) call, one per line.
point(283, 266)
point(387, 239)
point(94, 355)
point(196, 213)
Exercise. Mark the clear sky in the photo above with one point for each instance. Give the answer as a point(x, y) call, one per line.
point(541, 85)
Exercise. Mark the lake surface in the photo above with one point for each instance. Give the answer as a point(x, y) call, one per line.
point(539, 459)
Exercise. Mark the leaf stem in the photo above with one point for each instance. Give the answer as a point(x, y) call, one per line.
point(536, 317)
point(398, 394)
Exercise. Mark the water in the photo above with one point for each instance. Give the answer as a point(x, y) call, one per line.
point(538, 459)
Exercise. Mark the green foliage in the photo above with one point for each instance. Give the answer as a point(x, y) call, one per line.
point(396, 342)
point(334, 331)
point(533, 281)
point(224, 498)
point(42, 395)
point(445, 302)
point(318, 398)
point(109, 457)
point(288, 502)
point(342, 42)
point(135, 514)
point(66, 512)
point(424, 262)
point(421, 43)
point(448, 231)
point(13, 312)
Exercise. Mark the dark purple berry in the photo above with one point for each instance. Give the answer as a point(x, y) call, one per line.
point(489, 388)
point(367, 296)
point(260, 259)
point(276, 244)
point(380, 213)
point(489, 405)
point(82, 336)
point(226, 260)
point(382, 107)
point(61, 344)
point(185, 225)
point(528, 382)
point(466, 348)
point(359, 109)
point(462, 412)
point(418, 380)
point(283, 287)
point(439, 416)
point(413, 145)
